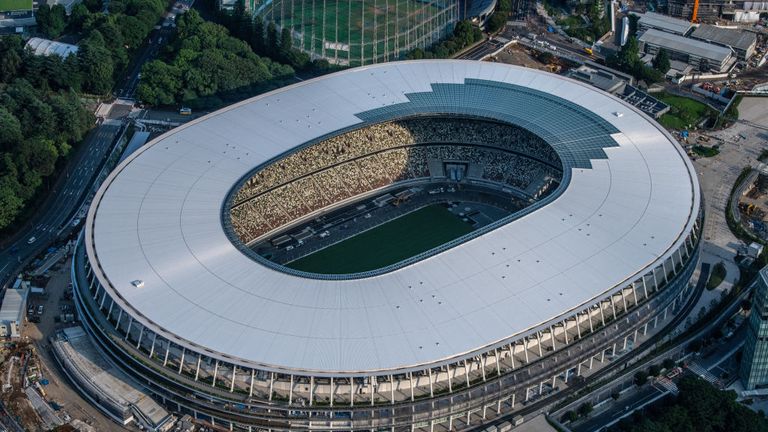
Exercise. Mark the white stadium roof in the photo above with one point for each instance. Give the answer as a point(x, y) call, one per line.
point(158, 219)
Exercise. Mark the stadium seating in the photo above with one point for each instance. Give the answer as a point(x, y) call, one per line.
point(376, 156)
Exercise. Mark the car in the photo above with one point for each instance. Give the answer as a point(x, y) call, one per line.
point(32, 240)
point(40, 310)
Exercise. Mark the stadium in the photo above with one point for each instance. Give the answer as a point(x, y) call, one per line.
point(413, 245)
point(360, 32)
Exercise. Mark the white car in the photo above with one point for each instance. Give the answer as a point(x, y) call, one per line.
point(32, 240)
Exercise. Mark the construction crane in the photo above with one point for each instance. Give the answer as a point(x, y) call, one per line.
point(694, 17)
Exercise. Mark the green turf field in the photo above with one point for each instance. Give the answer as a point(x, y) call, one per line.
point(358, 26)
point(386, 244)
point(15, 5)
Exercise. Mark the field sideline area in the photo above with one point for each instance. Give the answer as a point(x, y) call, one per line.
point(389, 243)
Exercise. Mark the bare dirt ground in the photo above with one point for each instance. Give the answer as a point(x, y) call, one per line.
point(59, 389)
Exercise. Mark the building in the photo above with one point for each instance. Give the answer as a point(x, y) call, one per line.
point(104, 385)
point(620, 85)
point(710, 10)
point(45, 47)
point(13, 310)
point(754, 361)
point(363, 31)
point(703, 56)
point(665, 23)
point(16, 15)
point(168, 288)
point(742, 42)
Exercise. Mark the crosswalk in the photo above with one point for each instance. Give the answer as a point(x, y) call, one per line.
point(666, 384)
point(704, 374)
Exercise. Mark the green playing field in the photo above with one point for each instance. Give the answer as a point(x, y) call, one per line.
point(15, 5)
point(386, 244)
point(358, 25)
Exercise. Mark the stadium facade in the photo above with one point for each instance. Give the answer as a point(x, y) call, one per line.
point(361, 32)
point(167, 287)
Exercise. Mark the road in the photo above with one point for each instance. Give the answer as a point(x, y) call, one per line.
point(64, 200)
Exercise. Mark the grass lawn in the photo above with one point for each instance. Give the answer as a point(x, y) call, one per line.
point(705, 151)
point(15, 5)
point(386, 244)
point(717, 276)
point(684, 112)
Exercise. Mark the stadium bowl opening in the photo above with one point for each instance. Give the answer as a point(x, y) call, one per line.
point(383, 195)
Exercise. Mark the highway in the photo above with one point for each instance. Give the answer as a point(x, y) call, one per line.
point(52, 221)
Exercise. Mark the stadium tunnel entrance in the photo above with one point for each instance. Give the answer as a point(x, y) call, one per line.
point(380, 196)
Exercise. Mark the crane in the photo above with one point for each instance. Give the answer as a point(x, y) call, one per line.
point(694, 17)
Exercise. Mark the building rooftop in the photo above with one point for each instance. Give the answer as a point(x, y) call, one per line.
point(664, 22)
point(629, 200)
point(12, 309)
point(40, 46)
point(603, 80)
point(738, 39)
point(686, 45)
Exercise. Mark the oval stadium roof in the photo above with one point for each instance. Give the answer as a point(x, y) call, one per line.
point(630, 201)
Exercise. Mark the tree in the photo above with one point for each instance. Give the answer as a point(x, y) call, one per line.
point(51, 21)
point(272, 47)
point(257, 36)
point(668, 364)
point(79, 16)
point(11, 51)
point(641, 377)
point(10, 130)
point(661, 61)
point(654, 370)
point(496, 22)
point(286, 42)
point(585, 409)
point(96, 66)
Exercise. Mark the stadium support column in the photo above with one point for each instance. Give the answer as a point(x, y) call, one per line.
point(410, 383)
point(431, 389)
point(525, 349)
point(128, 330)
point(589, 316)
point(141, 333)
point(602, 315)
point(215, 373)
point(578, 325)
point(512, 354)
point(613, 307)
point(623, 300)
point(392, 388)
point(450, 383)
point(290, 391)
point(181, 363)
point(497, 357)
point(332, 389)
point(483, 363)
point(311, 385)
point(466, 372)
point(250, 388)
point(565, 330)
point(351, 391)
point(167, 350)
point(152, 349)
point(197, 369)
point(232, 383)
point(552, 335)
point(645, 288)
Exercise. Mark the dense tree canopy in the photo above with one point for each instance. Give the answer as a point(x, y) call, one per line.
point(205, 65)
point(699, 407)
point(41, 118)
point(464, 35)
point(628, 60)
